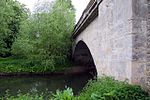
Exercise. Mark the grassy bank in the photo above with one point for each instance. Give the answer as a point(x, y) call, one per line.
point(16, 65)
point(105, 88)
point(9, 65)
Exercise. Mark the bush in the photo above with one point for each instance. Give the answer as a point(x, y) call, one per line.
point(63, 95)
point(107, 88)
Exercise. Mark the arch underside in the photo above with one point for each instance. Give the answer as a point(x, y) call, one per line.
point(82, 57)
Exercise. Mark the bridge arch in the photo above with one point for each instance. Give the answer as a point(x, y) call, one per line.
point(118, 47)
point(82, 56)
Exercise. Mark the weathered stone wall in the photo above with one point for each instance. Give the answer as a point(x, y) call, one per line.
point(148, 47)
point(141, 43)
point(109, 39)
point(115, 28)
point(119, 40)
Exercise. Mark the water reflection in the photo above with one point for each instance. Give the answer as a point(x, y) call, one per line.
point(27, 84)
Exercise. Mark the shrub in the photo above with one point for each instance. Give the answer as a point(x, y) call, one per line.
point(63, 95)
point(107, 88)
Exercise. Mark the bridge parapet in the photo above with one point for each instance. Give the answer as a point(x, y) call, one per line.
point(88, 15)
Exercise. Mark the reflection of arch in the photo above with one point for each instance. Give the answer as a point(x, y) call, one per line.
point(82, 57)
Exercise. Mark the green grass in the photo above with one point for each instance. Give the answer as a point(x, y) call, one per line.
point(10, 65)
point(15, 65)
point(105, 88)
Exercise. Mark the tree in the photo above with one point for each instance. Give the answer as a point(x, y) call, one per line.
point(48, 38)
point(11, 14)
point(55, 40)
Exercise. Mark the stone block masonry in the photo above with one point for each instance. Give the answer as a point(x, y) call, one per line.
point(140, 42)
point(119, 40)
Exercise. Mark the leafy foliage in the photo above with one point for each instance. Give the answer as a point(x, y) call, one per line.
point(13, 65)
point(60, 95)
point(107, 88)
point(63, 95)
point(23, 97)
point(45, 37)
point(11, 14)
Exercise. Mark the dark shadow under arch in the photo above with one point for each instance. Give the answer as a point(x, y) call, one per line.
point(82, 57)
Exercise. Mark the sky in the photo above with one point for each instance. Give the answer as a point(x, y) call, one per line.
point(79, 5)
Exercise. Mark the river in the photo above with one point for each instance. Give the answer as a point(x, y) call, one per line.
point(51, 83)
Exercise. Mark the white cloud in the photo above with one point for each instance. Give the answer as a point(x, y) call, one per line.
point(79, 5)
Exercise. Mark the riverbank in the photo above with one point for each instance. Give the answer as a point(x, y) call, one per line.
point(105, 88)
point(22, 67)
point(16, 65)
point(71, 70)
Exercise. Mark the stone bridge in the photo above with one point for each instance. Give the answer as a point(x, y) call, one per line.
point(113, 36)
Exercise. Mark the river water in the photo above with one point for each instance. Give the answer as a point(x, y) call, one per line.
point(27, 84)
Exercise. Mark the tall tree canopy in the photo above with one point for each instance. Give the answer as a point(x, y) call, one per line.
point(45, 37)
point(11, 14)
